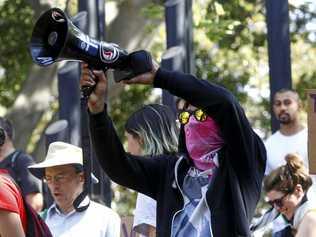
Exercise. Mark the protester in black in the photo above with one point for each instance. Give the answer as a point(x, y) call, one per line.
point(210, 188)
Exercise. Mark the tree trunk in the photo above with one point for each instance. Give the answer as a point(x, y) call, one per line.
point(128, 31)
point(34, 99)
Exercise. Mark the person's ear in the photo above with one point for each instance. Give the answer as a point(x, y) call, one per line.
point(298, 191)
point(81, 176)
point(141, 141)
point(138, 139)
point(182, 104)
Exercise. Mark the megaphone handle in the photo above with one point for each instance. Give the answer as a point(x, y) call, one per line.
point(87, 90)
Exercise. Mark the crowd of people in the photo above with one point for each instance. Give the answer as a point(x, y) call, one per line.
point(199, 174)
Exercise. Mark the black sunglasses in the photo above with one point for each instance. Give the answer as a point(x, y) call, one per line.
point(184, 116)
point(278, 202)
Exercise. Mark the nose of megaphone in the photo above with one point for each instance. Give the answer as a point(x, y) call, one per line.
point(48, 37)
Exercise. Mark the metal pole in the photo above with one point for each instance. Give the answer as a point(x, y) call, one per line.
point(175, 17)
point(175, 31)
point(178, 17)
point(279, 49)
point(172, 60)
point(96, 29)
point(189, 50)
point(69, 99)
point(57, 131)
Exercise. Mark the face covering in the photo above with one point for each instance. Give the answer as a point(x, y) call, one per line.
point(203, 140)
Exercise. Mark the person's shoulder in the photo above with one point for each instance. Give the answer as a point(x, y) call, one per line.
point(6, 181)
point(274, 135)
point(9, 194)
point(310, 216)
point(308, 222)
point(304, 131)
point(272, 138)
point(163, 160)
point(145, 199)
point(102, 209)
point(3, 183)
point(23, 155)
point(23, 159)
point(165, 157)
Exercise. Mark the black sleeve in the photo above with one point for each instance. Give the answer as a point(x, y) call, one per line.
point(135, 172)
point(29, 183)
point(248, 149)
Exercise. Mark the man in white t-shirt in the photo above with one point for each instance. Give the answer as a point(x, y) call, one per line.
point(290, 138)
point(279, 145)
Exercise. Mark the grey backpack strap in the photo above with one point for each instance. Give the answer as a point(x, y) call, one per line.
point(13, 166)
point(15, 155)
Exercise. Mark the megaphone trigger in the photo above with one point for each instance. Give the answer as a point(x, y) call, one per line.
point(87, 90)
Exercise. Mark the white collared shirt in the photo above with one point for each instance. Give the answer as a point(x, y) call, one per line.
point(96, 221)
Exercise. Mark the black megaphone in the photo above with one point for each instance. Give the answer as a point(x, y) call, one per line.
point(56, 38)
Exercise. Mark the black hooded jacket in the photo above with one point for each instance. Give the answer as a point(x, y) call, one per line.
point(236, 188)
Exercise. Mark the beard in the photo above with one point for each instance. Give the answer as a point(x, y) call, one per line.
point(284, 118)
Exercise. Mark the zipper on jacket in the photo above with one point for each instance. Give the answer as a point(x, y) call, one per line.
point(211, 230)
point(182, 195)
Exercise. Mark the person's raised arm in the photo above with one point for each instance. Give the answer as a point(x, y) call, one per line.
point(137, 173)
point(94, 78)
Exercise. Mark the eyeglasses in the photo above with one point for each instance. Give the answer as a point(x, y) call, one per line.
point(198, 114)
point(278, 202)
point(60, 178)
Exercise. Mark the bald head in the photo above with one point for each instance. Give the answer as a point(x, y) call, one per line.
point(291, 93)
point(286, 106)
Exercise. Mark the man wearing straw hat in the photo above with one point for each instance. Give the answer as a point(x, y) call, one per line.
point(62, 170)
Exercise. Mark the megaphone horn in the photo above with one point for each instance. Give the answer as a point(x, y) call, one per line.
point(56, 38)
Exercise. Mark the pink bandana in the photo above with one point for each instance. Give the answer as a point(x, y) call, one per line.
point(203, 140)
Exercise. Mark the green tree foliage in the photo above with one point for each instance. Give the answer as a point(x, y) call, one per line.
point(231, 43)
point(133, 97)
point(232, 50)
point(129, 101)
point(16, 22)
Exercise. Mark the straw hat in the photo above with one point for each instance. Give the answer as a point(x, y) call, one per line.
point(59, 153)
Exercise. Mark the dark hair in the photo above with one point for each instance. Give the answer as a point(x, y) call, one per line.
point(286, 177)
point(7, 127)
point(285, 90)
point(156, 125)
point(78, 167)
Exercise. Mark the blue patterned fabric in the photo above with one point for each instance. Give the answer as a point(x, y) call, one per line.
point(194, 219)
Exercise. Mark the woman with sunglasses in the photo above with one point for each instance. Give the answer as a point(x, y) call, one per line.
point(286, 189)
point(212, 186)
